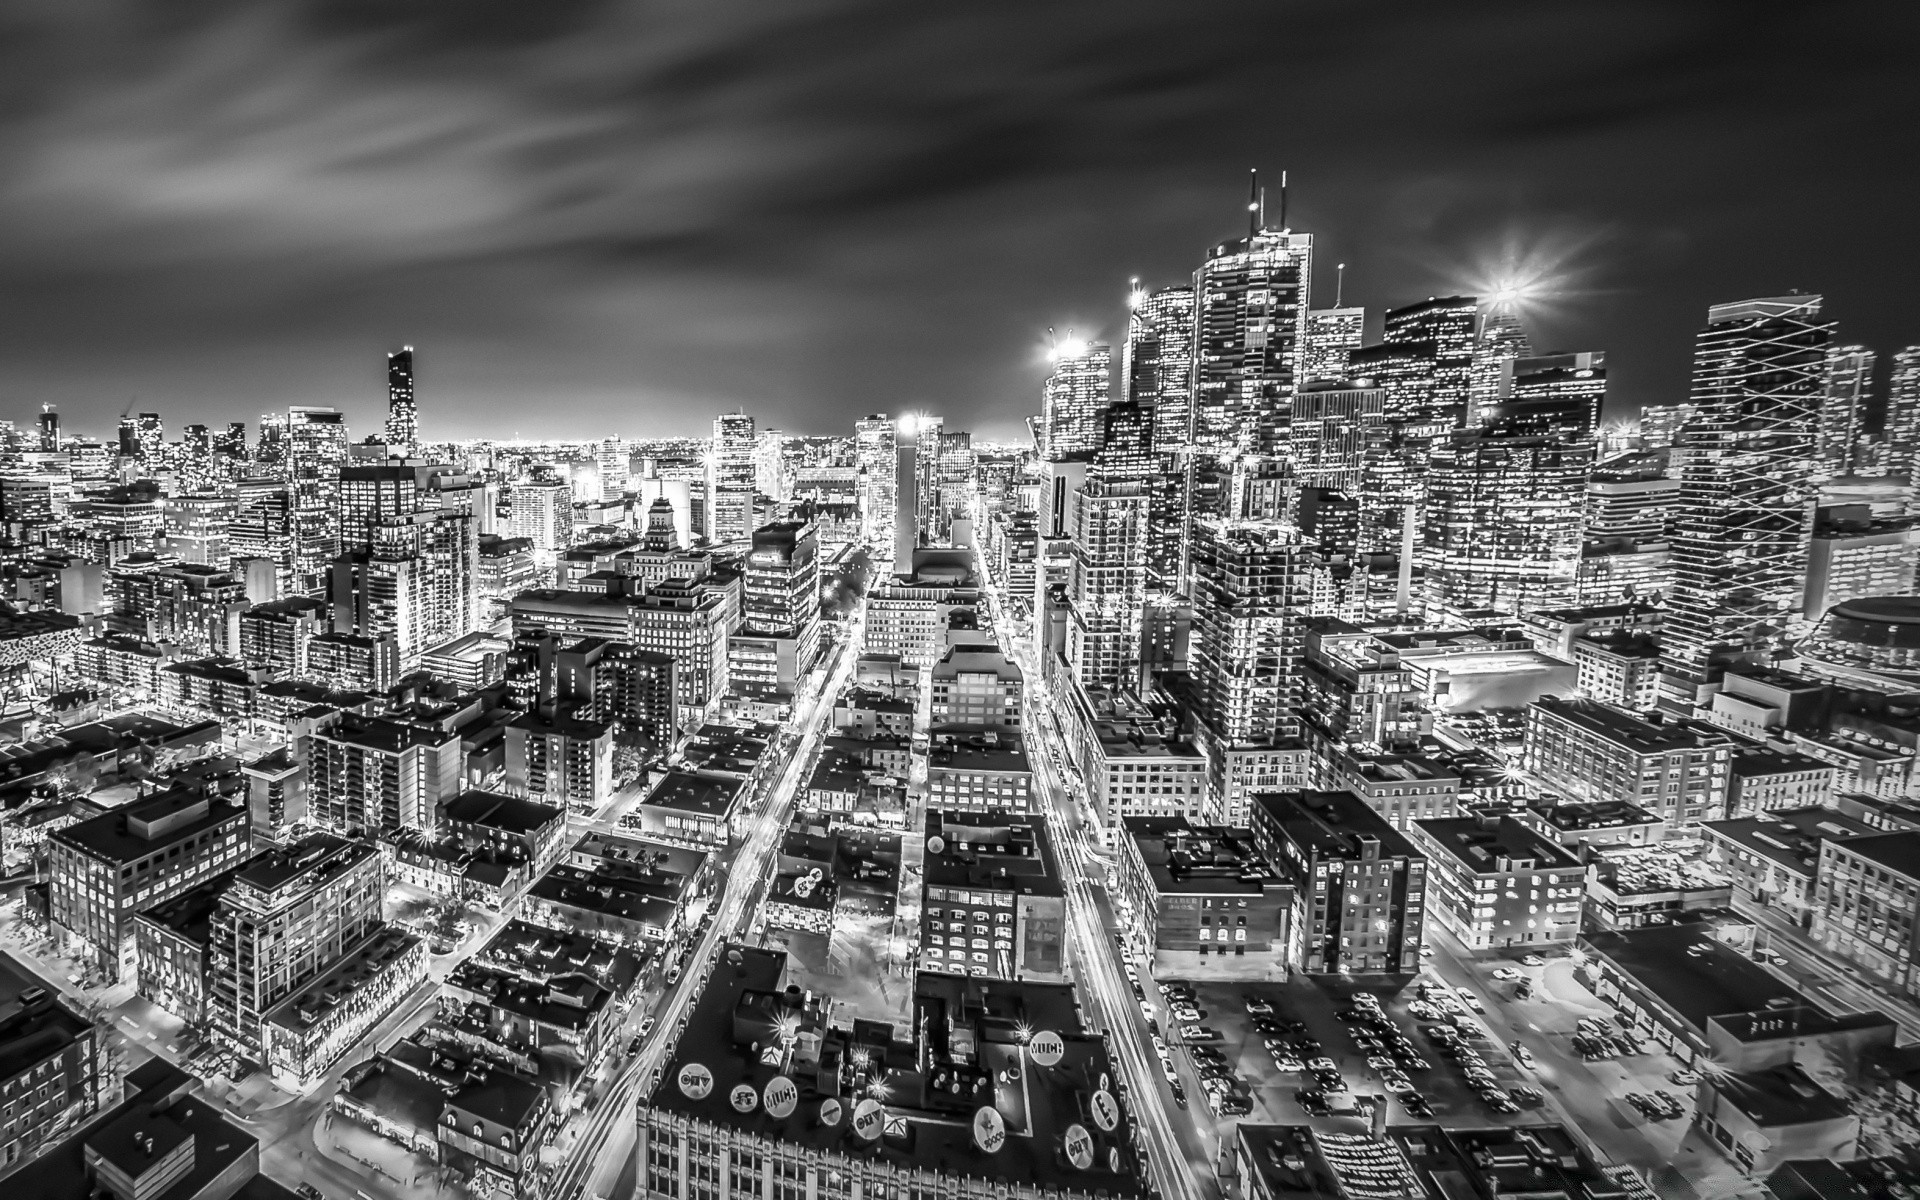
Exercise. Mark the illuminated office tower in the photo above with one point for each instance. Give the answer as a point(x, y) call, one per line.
point(403, 415)
point(1503, 522)
point(612, 457)
point(1552, 395)
point(231, 444)
point(316, 451)
point(906, 495)
point(1901, 428)
point(150, 439)
point(779, 637)
point(1333, 424)
point(1501, 340)
point(1747, 489)
point(1073, 397)
point(1250, 325)
point(49, 429)
point(1660, 424)
point(953, 484)
point(1843, 416)
point(1448, 325)
point(542, 512)
point(1126, 443)
point(1332, 335)
point(730, 479)
point(771, 475)
point(873, 457)
point(1404, 371)
point(1157, 372)
point(270, 452)
point(424, 515)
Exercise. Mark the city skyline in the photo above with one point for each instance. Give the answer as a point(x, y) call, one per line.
point(332, 205)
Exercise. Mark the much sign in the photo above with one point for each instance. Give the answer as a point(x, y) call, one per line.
point(1047, 1048)
point(781, 1096)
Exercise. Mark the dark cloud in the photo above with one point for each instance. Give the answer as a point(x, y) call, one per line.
point(624, 217)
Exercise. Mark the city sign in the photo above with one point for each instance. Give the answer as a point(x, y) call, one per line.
point(830, 1112)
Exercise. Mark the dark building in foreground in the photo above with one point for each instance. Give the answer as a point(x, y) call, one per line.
point(770, 1083)
point(50, 1067)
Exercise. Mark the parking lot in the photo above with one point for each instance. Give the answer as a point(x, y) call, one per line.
point(1320, 1020)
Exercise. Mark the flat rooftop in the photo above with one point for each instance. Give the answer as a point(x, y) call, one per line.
point(1332, 824)
point(693, 792)
point(108, 837)
point(512, 814)
point(1782, 1095)
point(1576, 817)
point(970, 1055)
point(1480, 845)
point(991, 850)
point(1789, 837)
point(1185, 859)
point(1899, 851)
point(1644, 737)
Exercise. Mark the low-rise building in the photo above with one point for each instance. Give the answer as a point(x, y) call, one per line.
point(170, 945)
point(1773, 858)
point(1495, 883)
point(1619, 668)
point(1679, 770)
point(509, 828)
point(1359, 884)
point(1866, 905)
point(1596, 823)
point(1632, 886)
point(994, 906)
point(979, 771)
point(305, 1034)
point(53, 1075)
point(694, 807)
point(1765, 780)
point(1761, 1119)
point(1201, 898)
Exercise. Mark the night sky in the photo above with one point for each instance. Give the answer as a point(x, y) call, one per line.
point(599, 218)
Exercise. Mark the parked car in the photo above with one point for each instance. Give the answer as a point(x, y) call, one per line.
point(1505, 974)
point(1684, 1076)
point(1313, 1103)
point(1186, 1012)
point(1526, 1097)
point(1199, 1033)
point(1417, 1107)
point(1259, 1008)
point(1323, 1064)
point(1532, 960)
point(1523, 1056)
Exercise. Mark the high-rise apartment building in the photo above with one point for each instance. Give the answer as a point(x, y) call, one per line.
point(1107, 581)
point(403, 415)
point(1901, 427)
point(1333, 334)
point(1073, 397)
point(368, 776)
point(542, 512)
point(1504, 518)
point(316, 452)
point(1747, 482)
point(1842, 419)
point(1251, 297)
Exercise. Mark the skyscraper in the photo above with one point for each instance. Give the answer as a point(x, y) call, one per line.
point(1501, 340)
point(906, 494)
point(873, 458)
point(1107, 581)
point(1332, 335)
point(1073, 397)
point(1448, 325)
point(1900, 429)
point(403, 415)
point(49, 428)
point(150, 439)
point(1552, 395)
point(1843, 416)
point(1333, 424)
point(730, 478)
point(316, 451)
point(1747, 489)
point(1250, 325)
point(1157, 372)
point(1504, 517)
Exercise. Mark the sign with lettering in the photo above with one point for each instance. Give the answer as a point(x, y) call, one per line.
point(696, 1082)
point(869, 1119)
point(830, 1112)
point(1047, 1048)
point(1106, 1111)
point(744, 1098)
point(1079, 1146)
point(781, 1096)
point(989, 1129)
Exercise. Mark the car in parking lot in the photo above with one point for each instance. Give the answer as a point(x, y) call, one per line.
point(1323, 1064)
point(1187, 1012)
point(1499, 1102)
point(1380, 1062)
point(1287, 1062)
point(1199, 1033)
point(1259, 1008)
point(1230, 1105)
point(1532, 960)
point(1522, 1055)
point(1647, 1106)
point(1684, 1076)
point(1313, 1103)
point(1669, 1102)
point(1417, 1106)
point(1506, 974)
point(1413, 1062)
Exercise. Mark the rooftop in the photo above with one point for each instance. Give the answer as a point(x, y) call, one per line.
point(190, 914)
point(695, 792)
point(282, 874)
point(1776, 1096)
point(1788, 837)
point(1497, 846)
point(1645, 737)
point(1187, 859)
point(509, 813)
point(1899, 851)
point(1754, 763)
point(1570, 817)
point(138, 829)
point(1332, 824)
point(973, 1037)
point(320, 995)
point(991, 849)
point(35, 1024)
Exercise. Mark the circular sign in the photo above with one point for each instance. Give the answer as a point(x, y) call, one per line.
point(744, 1097)
point(781, 1097)
point(869, 1119)
point(1047, 1048)
point(989, 1129)
point(1106, 1113)
point(696, 1082)
point(1113, 1159)
point(830, 1111)
point(1079, 1146)
point(936, 844)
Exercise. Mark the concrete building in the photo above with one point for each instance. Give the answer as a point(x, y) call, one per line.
point(1773, 858)
point(53, 1075)
point(1497, 884)
point(976, 686)
point(1359, 884)
point(1201, 900)
point(1680, 771)
point(993, 905)
point(979, 771)
point(563, 761)
point(376, 775)
point(1866, 905)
